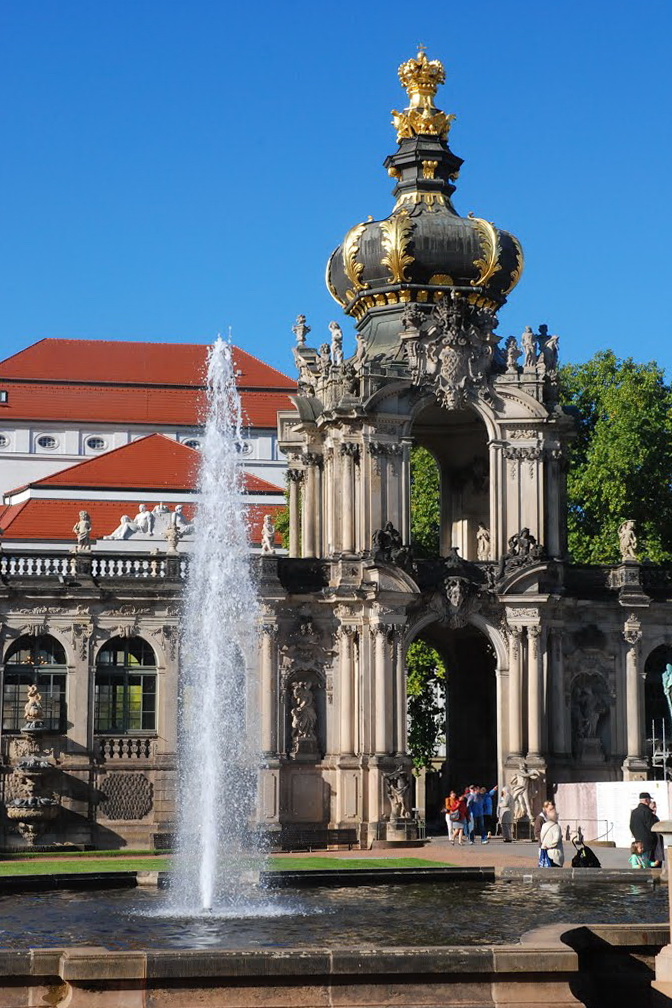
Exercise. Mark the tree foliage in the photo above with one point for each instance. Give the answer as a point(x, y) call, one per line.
point(426, 686)
point(620, 464)
point(425, 503)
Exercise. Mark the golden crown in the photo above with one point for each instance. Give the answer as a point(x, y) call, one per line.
point(421, 76)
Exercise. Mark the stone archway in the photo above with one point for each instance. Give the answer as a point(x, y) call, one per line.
point(472, 747)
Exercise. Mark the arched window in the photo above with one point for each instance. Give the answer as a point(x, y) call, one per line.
point(39, 661)
point(125, 686)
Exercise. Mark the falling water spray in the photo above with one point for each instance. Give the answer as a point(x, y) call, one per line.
point(217, 739)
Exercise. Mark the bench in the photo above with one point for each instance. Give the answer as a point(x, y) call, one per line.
point(297, 838)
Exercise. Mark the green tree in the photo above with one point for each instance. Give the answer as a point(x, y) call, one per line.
point(426, 685)
point(620, 463)
point(425, 503)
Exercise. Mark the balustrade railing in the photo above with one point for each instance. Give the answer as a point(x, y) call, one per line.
point(103, 566)
point(36, 565)
point(126, 747)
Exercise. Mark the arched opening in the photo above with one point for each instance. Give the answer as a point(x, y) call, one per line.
point(658, 710)
point(457, 441)
point(467, 701)
point(125, 687)
point(38, 661)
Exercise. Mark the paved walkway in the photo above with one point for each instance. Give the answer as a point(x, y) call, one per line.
point(494, 854)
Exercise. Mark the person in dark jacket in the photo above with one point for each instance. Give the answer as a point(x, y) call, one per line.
point(641, 821)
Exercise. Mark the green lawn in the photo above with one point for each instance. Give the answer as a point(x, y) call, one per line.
point(46, 865)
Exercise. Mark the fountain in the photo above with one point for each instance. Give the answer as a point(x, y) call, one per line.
point(32, 809)
point(217, 759)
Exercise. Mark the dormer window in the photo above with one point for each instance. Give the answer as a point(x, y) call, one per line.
point(4, 397)
point(47, 441)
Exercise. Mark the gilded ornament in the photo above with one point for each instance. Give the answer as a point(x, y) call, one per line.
point(396, 233)
point(490, 251)
point(414, 196)
point(353, 268)
point(421, 77)
point(428, 169)
point(517, 272)
point(441, 280)
point(394, 172)
point(330, 286)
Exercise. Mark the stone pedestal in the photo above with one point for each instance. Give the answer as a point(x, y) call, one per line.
point(401, 830)
point(635, 769)
point(590, 751)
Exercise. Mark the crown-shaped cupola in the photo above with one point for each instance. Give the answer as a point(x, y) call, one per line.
point(424, 248)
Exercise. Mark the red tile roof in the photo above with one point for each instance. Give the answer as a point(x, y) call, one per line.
point(128, 362)
point(100, 381)
point(155, 462)
point(54, 519)
point(128, 405)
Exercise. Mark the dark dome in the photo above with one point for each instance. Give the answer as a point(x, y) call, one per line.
point(424, 247)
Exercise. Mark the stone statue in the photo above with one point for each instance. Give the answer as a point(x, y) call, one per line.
point(304, 715)
point(589, 703)
point(180, 522)
point(144, 520)
point(336, 344)
point(667, 686)
point(82, 530)
point(398, 787)
point(520, 790)
point(33, 708)
point(482, 542)
point(300, 330)
point(513, 352)
point(360, 352)
point(306, 379)
point(324, 363)
point(627, 540)
point(160, 509)
point(388, 547)
point(268, 536)
point(528, 341)
point(124, 529)
point(548, 349)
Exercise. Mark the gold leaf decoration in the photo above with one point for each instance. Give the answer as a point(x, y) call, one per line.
point(396, 232)
point(330, 286)
point(517, 272)
point(490, 251)
point(353, 268)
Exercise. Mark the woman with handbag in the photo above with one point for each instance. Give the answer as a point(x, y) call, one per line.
point(456, 815)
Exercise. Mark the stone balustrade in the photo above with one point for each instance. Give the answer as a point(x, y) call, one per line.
point(125, 747)
point(15, 566)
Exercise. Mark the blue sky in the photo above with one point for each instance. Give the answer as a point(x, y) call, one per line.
point(171, 169)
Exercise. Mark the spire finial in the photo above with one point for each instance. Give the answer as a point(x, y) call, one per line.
point(421, 78)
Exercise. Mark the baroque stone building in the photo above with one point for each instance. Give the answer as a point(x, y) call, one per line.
point(547, 661)
point(553, 668)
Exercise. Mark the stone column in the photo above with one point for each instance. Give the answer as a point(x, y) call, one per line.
point(382, 705)
point(405, 462)
point(635, 765)
point(312, 505)
point(269, 694)
point(294, 476)
point(515, 691)
point(559, 739)
point(535, 711)
point(350, 453)
point(347, 704)
point(399, 670)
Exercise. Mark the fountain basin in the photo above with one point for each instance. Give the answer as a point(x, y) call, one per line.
point(33, 813)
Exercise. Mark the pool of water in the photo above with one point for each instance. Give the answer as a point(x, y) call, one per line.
point(445, 913)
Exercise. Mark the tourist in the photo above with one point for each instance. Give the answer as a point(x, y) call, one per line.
point(456, 816)
point(540, 819)
point(475, 805)
point(487, 809)
point(505, 813)
point(638, 858)
point(551, 853)
point(659, 849)
point(642, 818)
